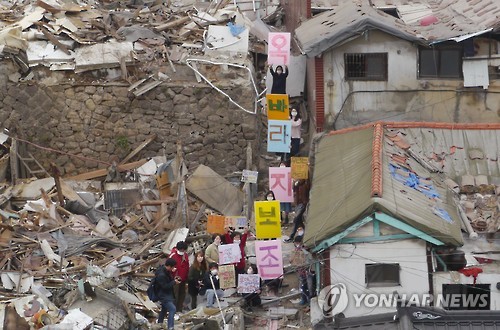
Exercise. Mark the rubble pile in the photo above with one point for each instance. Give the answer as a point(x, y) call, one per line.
point(76, 253)
point(134, 41)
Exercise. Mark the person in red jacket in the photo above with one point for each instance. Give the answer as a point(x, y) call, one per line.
point(182, 261)
point(237, 238)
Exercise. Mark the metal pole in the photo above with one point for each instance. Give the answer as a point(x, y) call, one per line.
point(218, 302)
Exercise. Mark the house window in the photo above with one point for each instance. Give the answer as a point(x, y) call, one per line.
point(466, 297)
point(366, 66)
point(379, 275)
point(440, 61)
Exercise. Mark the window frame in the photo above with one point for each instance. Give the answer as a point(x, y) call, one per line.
point(347, 72)
point(467, 289)
point(383, 271)
point(439, 49)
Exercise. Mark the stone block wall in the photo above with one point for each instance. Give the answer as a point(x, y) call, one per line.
point(99, 121)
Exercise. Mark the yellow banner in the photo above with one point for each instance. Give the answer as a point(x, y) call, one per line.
point(277, 107)
point(300, 168)
point(267, 219)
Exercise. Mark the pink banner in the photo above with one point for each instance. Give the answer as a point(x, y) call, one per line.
point(269, 259)
point(280, 182)
point(278, 48)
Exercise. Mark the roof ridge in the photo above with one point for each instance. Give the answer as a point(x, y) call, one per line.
point(378, 135)
point(417, 124)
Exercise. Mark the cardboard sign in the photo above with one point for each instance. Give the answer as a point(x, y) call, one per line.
point(249, 176)
point(248, 283)
point(279, 135)
point(269, 259)
point(215, 224)
point(229, 254)
point(267, 219)
point(300, 168)
point(227, 276)
point(280, 182)
point(277, 107)
point(278, 49)
point(236, 222)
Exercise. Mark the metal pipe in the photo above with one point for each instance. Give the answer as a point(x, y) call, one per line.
point(188, 63)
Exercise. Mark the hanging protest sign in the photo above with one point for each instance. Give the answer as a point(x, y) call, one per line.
point(277, 107)
point(279, 135)
point(215, 224)
point(227, 276)
point(278, 49)
point(267, 219)
point(280, 182)
point(269, 259)
point(236, 222)
point(229, 254)
point(248, 283)
point(249, 176)
point(300, 168)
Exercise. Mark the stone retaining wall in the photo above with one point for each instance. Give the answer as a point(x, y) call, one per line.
point(101, 121)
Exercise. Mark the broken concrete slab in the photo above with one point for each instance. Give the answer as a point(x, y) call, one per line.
point(101, 56)
point(216, 191)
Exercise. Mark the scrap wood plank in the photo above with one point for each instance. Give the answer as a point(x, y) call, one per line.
point(138, 149)
point(104, 172)
point(53, 39)
point(172, 24)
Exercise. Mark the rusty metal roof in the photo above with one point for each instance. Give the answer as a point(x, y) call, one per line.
point(401, 169)
point(425, 21)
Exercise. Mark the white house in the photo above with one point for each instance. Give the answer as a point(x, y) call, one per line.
point(386, 216)
point(424, 61)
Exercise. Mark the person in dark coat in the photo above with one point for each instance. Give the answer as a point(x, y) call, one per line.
point(253, 299)
point(279, 79)
point(165, 282)
point(195, 277)
point(211, 285)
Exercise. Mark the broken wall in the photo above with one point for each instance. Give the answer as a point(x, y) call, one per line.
point(97, 121)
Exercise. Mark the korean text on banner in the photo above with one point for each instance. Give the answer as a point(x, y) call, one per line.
point(248, 283)
point(300, 168)
point(269, 259)
point(267, 219)
point(277, 107)
point(249, 176)
point(279, 135)
point(227, 276)
point(229, 254)
point(237, 222)
point(215, 224)
point(278, 50)
point(280, 182)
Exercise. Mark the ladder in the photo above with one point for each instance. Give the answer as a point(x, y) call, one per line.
point(23, 164)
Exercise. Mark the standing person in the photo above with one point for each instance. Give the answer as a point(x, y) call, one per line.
point(180, 256)
point(301, 259)
point(279, 79)
point(270, 196)
point(212, 277)
point(165, 282)
point(212, 251)
point(286, 207)
point(195, 277)
point(298, 222)
point(237, 238)
point(296, 126)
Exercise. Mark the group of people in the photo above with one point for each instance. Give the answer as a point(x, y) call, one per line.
point(200, 278)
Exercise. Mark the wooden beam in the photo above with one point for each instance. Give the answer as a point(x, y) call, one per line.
point(104, 172)
point(138, 149)
point(54, 40)
point(172, 24)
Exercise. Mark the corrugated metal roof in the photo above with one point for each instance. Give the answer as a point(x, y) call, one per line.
point(342, 182)
point(446, 20)
point(341, 185)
